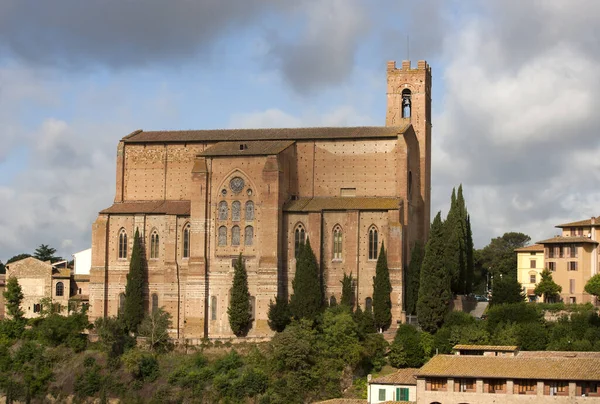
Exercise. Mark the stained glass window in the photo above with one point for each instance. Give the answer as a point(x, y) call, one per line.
point(248, 235)
point(235, 235)
point(223, 210)
point(222, 235)
point(236, 208)
point(249, 210)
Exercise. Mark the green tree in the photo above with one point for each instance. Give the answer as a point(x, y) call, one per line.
point(434, 288)
point(46, 253)
point(307, 298)
point(155, 328)
point(453, 248)
point(547, 287)
point(240, 317)
point(13, 296)
point(2, 268)
point(413, 275)
point(382, 287)
point(593, 286)
point(113, 335)
point(18, 258)
point(406, 350)
point(133, 311)
point(499, 257)
point(469, 257)
point(279, 314)
point(347, 291)
point(365, 322)
point(506, 289)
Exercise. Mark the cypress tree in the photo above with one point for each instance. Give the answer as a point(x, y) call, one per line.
point(133, 311)
point(13, 296)
point(470, 265)
point(238, 311)
point(434, 288)
point(461, 233)
point(307, 298)
point(279, 314)
point(453, 246)
point(382, 287)
point(347, 293)
point(413, 275)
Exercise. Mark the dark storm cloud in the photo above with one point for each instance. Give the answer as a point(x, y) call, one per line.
point(120, 33)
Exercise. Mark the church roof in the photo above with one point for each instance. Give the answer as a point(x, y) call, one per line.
point(181, 208)
point(318, 204)
point(247, 148)
point(219, 135)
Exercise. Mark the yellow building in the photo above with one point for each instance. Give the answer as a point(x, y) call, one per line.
point(530, 264)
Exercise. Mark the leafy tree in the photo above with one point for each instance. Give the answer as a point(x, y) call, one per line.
point(46, 253)
point(382, 287)
point(113, 335)
point(547, 287)
point(240, 317)
point(2, 268)
point(593, 286)
point(413, 275)
point(347, 292)
point(364, 319)
point(17, 258)
point(307, 298)
point(499, 256)
point(279, 314)
point(340, 335)
point(406, 350)
point(506, 290)
point(13, 296)
point(155, 328)
point(133, 311)
point(515, 313)
point(532, 336)
point(434, 288)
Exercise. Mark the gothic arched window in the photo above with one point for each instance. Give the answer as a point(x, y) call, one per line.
point(406, 103)
point(222, 236)
point(248, 235)
point(122, 244)
point(235, 235)
point(154, 302)
point(332, 301)
point(299, 238)
point(249, 210)
point(223, 210)
point(60, 289)
point(236, 211)
point(373, 240)
point(368, 304)
point(154, 244)
point(337, 243)
point(186, 241)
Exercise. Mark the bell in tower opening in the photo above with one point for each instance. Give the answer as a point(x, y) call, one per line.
point(406, 103)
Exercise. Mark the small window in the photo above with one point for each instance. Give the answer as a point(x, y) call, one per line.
point(122, 244)
point(466, 385)
point(37, 308)
point(532, 263)
point(526, 386)
point(299, 238)
point(223, 210)
point(332, 301)
point(222, 236)
point(532, 279)
point(368, 304)
point(249, 235)
point(337, 243)
point(550, 252)
point(186, 241)
point(381, 394)
point(60, 289)
point(551, 266)
point(154, 302)
point(373, 243)
point(402, 394)
point(572, 265)
point(561, 251)
point(154, 245)
point(235, 235)
point(559, 388)
point(496, 386)
point(213, 308)
point(572, 300)
point(571, 286)
point(236, 211)
point(121, 302)
point(249, 210)
point(436, 384)
point(573, 251)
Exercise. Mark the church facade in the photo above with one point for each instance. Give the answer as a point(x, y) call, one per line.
point(199, 198)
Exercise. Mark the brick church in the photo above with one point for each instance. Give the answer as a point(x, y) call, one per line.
point(199, 198)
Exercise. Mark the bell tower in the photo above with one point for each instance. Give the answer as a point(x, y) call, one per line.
point(409, 101)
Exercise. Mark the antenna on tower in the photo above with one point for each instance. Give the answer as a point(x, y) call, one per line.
point(407, 47)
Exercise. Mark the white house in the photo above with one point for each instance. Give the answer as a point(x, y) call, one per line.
point(400, 386)
point(83, 262)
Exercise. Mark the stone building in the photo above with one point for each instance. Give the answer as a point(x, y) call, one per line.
point(199, 198)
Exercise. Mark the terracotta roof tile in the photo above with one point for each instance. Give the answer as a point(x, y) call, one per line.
point(512, 367)
point(247, 148)
point(342, 401)
point(586, 222)
point(402, 376)
point(567, 239)
point(533, 247)
point(81, 278)
point(180, 208)
point(341, 203)
point(558, 354)
point(212, 135)
point(499, 348)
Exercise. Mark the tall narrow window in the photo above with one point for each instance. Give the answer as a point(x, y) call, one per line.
point(249, 210)
point(154, 244)
point(252, 307)
point(122, 244)
point(249, 235)
point(337, 243)
point(223, 210)
point(121, 302)
point(222, 236)
point(299, 238)
point(60, 289)
point(154, 302)
point(373, 242)
point(368, 304)
point(213, 308)
point(186, 241)
point(235, 235)
point(332, 301)
point(406, 103)
point(236, 211)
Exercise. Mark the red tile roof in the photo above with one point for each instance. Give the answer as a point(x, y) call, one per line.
point(247, 148)
point(402, 376)
point(533, 247)
point(581, 223)
point(567, 239)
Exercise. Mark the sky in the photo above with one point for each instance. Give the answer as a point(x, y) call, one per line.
point(516, 90)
